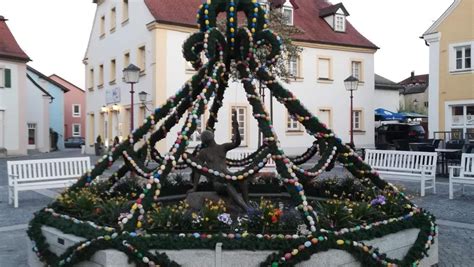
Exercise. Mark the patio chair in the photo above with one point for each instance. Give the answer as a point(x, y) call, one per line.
point(454, 158)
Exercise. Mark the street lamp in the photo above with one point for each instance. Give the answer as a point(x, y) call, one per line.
point(142, 96)
point(131, 74)
point(351, 84)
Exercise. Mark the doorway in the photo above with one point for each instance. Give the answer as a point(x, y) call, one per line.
point(32, 136)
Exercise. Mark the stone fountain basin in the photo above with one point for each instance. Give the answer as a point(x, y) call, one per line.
point(395, 245)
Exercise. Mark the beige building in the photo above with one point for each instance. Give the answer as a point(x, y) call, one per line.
point(451, 78)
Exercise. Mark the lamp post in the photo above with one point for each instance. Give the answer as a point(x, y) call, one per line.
point(351, 84)
point(131, 74)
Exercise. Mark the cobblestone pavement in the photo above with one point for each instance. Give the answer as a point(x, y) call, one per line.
point(456, 240)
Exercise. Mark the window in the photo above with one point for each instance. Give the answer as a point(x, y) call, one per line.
point(102, 26)
point(91, 79)
point(101, 75)
point(126, 60)
point(113, 19)
point(426, 104)
point(292, 125)
point(76, 110)
point(325, 116)
point(340, 23)
point(288, 15)
point(76, 130)
point(32, 134)
point(91, 130)
point(5, 78)
point(293, 66)
point(124, 11)
point(357, 120)
point(242, 120)
point(324, 69)
point(141, 58)
point(356, 71)
point(463, 57)
point(196, 136)
point(113, 71)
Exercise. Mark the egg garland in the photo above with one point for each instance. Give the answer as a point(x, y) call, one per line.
point(237, 47)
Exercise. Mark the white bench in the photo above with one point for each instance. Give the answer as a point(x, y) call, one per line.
point(466, 173)
point(405, 165)
point(43, 174)
point(241, 154)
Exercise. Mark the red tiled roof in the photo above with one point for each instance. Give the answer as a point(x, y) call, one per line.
point(9, 48)
point(416, 79)
point(64, 82)
point(306, 17)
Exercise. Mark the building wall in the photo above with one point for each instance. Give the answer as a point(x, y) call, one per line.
point(56, 107)
point(420, 98)
point(387, 99)
point(127, 37)
point(74, 97)
point(37, 113)
point(456, 28)
point(172, 74)
point(14, 110)
point(167, 72)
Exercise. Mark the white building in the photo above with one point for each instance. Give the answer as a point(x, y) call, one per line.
point(150, 34)
point(13, 91)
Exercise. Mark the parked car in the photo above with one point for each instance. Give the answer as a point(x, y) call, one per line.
point(398, 135)
point(74, 142)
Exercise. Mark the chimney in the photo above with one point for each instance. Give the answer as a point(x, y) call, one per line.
point(412, 75)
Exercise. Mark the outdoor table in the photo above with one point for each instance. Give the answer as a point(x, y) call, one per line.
point(443, 152)
point(414, 146)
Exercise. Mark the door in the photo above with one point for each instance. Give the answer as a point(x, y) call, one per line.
point(32, 136)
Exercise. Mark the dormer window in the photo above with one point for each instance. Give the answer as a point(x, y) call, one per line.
point(335, 16)
point(340, 23)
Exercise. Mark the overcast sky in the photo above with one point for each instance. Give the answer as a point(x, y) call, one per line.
point(54, 33)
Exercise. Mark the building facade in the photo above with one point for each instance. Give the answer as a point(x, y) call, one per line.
point(414, 94)
point(451, 78)
point(56, 106)
point(13, 91)
point(74, 108)
point(386, 94)
point(150, 34)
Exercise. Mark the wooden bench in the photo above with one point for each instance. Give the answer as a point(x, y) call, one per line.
point(405, 165)
point(26, 175)
point(466, 173)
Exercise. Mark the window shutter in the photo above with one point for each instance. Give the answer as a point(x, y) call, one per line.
point(8, 78)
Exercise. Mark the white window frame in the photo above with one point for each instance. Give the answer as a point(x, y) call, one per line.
point(337, 27)
point(113, 19)
point(74, 133)
point(102, 26)
point(292, 124)
point(290, 19)
point(453, 57)
point(195, 138)
point(2, 77)
point(113, 71)
point(359, 75)
point(243, 135)
point(329, 70)
point(358, 119)
point(125, 10)
point(293, 66)
point(91, 79)
point(76, 114)
point(141, 58)
point(101, 75)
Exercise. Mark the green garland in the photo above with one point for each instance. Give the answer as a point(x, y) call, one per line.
point(238, 46)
